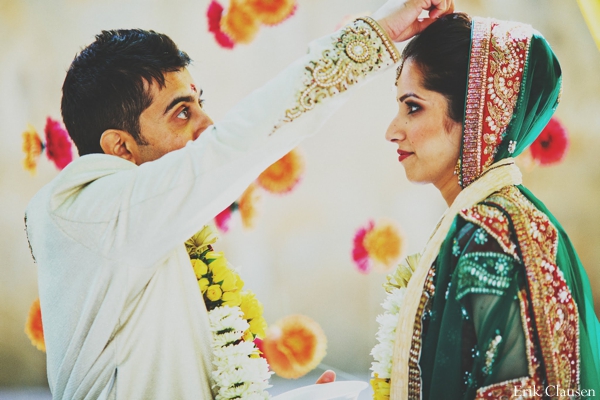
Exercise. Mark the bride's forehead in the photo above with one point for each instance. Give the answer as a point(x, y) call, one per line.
point(409, 76)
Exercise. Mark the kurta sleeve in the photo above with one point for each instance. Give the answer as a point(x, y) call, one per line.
point(142, 213)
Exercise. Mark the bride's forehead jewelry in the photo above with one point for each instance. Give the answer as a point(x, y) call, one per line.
point(399, 71)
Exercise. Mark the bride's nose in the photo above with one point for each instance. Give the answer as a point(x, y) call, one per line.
point(394, 132)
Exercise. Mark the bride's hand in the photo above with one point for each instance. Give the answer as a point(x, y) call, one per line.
point(327, 377)
point(400, 18)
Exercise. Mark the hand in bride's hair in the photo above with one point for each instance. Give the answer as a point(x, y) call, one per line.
point(400, 18)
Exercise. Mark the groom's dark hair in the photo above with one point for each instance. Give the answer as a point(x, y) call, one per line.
point(442, 52)
point(107, 84)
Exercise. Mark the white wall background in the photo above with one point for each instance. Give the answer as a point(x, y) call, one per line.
point(297, 259)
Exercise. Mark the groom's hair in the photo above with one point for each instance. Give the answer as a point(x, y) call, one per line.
point(108, 84)
point(442, 52)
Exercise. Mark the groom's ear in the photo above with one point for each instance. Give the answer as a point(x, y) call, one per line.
point(117, 142)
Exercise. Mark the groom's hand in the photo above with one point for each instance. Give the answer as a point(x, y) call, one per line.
point(400, 18)
point(327, 377)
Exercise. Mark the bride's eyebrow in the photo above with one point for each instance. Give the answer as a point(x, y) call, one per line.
point(407, 95)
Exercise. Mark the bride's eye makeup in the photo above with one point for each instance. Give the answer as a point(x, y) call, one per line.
point(412, 107)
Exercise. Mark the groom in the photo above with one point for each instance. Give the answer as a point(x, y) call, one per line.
point(123, 315)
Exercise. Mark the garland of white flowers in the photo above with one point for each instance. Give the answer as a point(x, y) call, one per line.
point(388, 321)
point(235, 319)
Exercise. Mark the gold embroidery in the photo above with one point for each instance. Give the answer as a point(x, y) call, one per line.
point(361, 48)
point(554, 311)
point(414, 371)
point(494, 222)
point(498, 57)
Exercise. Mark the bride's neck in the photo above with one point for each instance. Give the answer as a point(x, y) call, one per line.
point(449, 188)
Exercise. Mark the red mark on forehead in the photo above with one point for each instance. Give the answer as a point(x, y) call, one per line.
point(193, 88)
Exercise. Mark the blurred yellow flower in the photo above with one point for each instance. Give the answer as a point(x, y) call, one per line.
point(34, 328)
point(294, 346)
point(32, 147)
point(232, 299)
point(247, 207)
point(384, 244)
point(200, 269)
point(214, 292)
point(283, 175)
point(239, 23)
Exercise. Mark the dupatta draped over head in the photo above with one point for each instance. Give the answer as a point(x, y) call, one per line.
point(513, 88)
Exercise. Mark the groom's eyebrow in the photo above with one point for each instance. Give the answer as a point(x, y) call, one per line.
point(407, 95)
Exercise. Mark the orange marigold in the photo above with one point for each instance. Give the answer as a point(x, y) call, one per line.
point(294, 346)
point(272, 12)
point(247, 206)
point(384, 244)
point(239, 23)
point(283, 175)
point(32, 147)
point(33, 326)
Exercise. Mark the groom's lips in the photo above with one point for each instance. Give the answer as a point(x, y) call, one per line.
point(403, 155)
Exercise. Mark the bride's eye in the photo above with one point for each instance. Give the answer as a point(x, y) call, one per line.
point(412, 107)
point(184, 114)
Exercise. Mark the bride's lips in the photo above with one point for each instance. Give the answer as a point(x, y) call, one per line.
point(403, 155)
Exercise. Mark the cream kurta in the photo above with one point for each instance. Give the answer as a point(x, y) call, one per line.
point(123, 315)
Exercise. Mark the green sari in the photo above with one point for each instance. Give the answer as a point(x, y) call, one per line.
point(506, 307)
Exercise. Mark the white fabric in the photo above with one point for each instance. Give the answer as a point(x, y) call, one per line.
point(122, 312)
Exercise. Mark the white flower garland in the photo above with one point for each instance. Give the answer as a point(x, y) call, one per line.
point(388, 321)
point(240, 372)
point(384, 349)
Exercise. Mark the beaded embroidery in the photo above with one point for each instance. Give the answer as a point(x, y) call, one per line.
point(554, 312)
point(494, 222)
point(498, 56)
point(484, 273)
point(361, 48)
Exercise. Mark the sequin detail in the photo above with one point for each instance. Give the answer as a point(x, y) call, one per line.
point(484, 273)
point(491, 353)
point(480, 236)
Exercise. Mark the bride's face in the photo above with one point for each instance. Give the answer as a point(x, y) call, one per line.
point(428, 139)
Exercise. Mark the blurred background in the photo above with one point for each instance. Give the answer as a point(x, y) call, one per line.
point(297, 258)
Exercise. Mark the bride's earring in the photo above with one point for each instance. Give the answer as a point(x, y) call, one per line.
point(457, 167)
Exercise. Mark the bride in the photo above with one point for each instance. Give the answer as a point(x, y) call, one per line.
point(498, 304)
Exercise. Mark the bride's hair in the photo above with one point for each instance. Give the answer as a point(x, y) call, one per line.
point(441, 53)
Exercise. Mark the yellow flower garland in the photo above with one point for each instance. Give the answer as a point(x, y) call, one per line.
point(222, 286)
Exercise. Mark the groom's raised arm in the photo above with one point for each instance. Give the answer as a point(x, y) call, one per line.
point(161, 203)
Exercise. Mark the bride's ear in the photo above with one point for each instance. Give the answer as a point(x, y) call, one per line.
point(119, 143)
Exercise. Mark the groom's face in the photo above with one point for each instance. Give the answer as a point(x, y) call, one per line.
point(174, 117)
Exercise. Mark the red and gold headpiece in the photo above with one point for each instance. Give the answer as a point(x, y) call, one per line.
point(498, 59)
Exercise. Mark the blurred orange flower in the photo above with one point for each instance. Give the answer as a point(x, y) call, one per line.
point(272, 12)
point(239, 23)
point(247, 206)
point(33, 326)
point(294, 346)
point(32, 147)
point(283, 175)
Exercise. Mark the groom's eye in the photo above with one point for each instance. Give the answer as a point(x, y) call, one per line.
point(412, 107)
